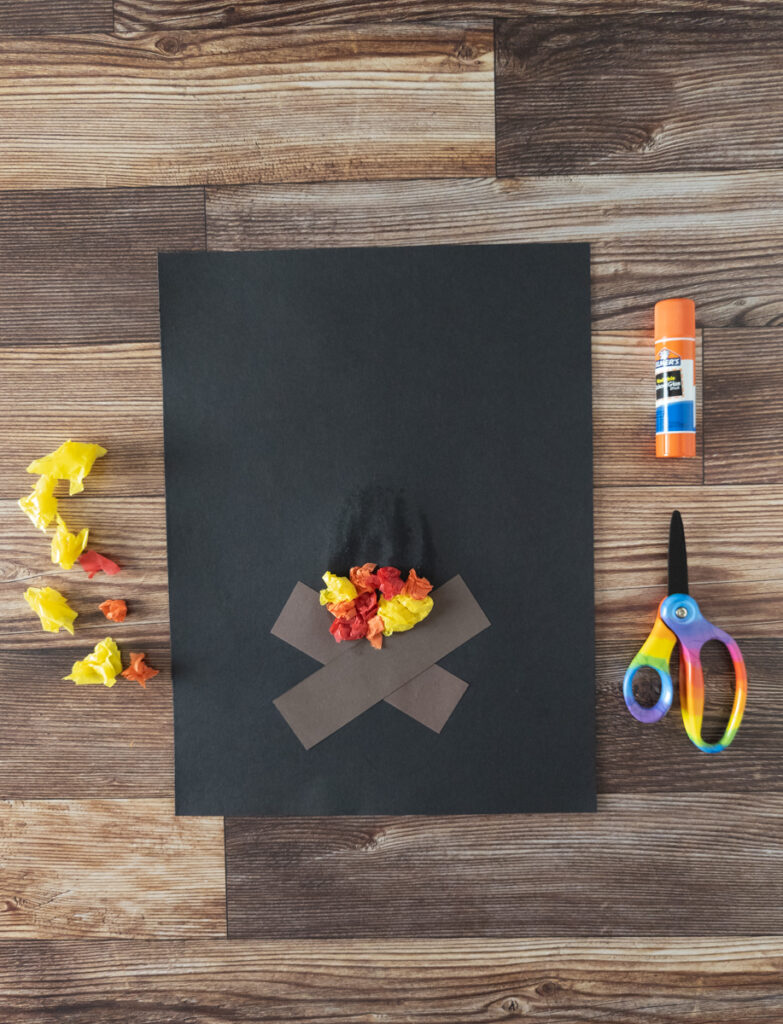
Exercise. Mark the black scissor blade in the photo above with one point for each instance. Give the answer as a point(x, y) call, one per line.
point(678, 558)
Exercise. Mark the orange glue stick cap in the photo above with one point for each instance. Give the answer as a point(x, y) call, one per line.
point(675, 318)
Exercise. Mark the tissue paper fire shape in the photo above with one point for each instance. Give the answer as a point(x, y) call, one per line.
point(360, 613)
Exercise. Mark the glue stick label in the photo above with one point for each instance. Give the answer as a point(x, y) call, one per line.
point(675, 386)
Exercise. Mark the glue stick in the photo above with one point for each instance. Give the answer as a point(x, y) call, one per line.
point(675, 386)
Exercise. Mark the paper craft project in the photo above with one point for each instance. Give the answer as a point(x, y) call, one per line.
point(99, 668)
point(348, 686)
point(115, 610)
point(66, 547)
point(52, 608)
point(139, 671)
point(93, 563)
point(72, 461)
point(359, 411)
point(428, 698)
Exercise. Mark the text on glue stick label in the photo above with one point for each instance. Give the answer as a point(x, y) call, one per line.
point(675, 390)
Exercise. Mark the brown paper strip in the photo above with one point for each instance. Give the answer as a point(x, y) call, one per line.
point(429, 698)
point(361, 677)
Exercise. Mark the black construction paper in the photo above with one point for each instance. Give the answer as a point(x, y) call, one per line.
point(427, 407)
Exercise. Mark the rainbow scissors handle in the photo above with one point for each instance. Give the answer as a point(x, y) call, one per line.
point(655, 654)
point(682, 615)
point(680, 620)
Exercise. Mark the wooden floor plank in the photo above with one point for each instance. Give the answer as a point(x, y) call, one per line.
point(744, 403)
point(715, 237)
point(624, 414)
point(62, 741)
point(133, 16)
point(107, 393)
point(733, 535)
point(631, 92)
point(229, 106)
point(131, 530)
point(566, 981)
point(109, 869)
point(81, 266)
point(29, 17)
point(702, 863)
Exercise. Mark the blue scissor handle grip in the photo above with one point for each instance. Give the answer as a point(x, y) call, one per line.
point(664, 702)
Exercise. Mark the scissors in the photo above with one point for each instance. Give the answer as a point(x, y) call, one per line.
point(680, 621)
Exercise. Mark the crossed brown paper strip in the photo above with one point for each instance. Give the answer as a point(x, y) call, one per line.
point(356, 677)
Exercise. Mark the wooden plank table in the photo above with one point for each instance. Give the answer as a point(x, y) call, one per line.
point(646, 127)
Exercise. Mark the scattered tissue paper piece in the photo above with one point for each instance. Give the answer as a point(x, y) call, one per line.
point(100, 667)
point(139, 671)
point(92, 562)
point(72, 461)
point(114, 610)
point(66, 547)
point(41, 504)
point(52, 608)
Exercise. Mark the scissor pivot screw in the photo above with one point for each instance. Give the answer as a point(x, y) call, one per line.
point(681, 612)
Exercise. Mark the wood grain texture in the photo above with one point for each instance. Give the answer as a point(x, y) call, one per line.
point(683, 844)
point(131, 530)
point(30, 17)
point(81, 266)
point(109, 869)
point(624, 414)
point(194, 107)
point(744, 402)
point(566, 981)
point(715, 237)
point(689, 864)
point(733, 536)
point(134, 16)
point(108, 393)
point(586, 94)
point(63, 741)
